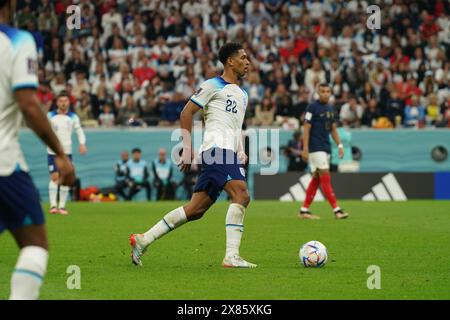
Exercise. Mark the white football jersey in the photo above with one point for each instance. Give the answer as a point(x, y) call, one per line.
point(224, 105)
point(63, 126)
point(18, 70)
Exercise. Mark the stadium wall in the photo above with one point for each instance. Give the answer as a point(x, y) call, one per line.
point(381, 151)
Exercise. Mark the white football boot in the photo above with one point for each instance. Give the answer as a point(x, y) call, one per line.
point(137, 249)
point(236, 261)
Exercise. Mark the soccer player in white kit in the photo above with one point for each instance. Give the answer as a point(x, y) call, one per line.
point(63, 122)
point(20, 210)
point(223, 103)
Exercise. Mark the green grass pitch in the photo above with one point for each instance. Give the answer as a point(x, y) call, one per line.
point(409, 241)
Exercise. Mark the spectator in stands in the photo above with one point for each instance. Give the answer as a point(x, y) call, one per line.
point(171, 110)
point(83, 108)
point(80, 85)
point(285, 114)
point(295, 43)
point(366, 94)
point(371, 113)
point(254, 88)
point(433, 110)
point(339, 89)
point(394, 109)
point(121, 173)
point(138, 175)
point(150, 111)
point(106, 118)
point(314, 76)
point(351, 113)
point(156, 31)
point(162, 177)
point(446, 120)
point(110, 19)
point(264, 113)
point(144, 72)
point(414, 113)
point(58, 83)
point(129, 114)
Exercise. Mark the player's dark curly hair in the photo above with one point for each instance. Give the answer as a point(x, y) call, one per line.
point(227, 50)
point(2, 3)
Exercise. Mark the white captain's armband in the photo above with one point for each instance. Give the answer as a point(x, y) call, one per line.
point(308, 116)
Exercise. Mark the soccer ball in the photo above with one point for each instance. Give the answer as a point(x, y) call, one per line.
point(313, 254)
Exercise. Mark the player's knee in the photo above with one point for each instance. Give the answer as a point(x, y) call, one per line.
point(54, 176)
point(242, 197)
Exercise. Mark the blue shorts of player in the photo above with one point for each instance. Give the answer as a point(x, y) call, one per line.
point(51, 163)
point(218, 167)
point(19, 202)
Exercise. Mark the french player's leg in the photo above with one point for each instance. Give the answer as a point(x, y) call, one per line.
point(53, 184)
point(25, 221)
point(310, 194)
point(322, 164)
point(193, 210)
point(311, 191)
point(234, 223)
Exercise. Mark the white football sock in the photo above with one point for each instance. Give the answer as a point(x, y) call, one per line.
point(234, 226)
point(63, 192)
point(172, 220)
point(29, 273)
point(52, 193)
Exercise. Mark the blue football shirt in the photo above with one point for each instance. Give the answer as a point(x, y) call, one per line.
point(321, 117)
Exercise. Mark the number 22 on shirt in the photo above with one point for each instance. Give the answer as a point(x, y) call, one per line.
point(231, 106)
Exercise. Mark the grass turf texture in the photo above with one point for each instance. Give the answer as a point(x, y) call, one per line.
point(409, 241)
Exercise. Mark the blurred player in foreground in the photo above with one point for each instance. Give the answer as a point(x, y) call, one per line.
point(223, 103)
point(63, 122)
point(20, 210)
point(319, 123)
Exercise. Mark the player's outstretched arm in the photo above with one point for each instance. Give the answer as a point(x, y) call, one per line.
point(186, 128)
point(337, 139)
point(38, 122)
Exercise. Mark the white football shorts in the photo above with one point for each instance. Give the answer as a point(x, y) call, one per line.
point(319, 160)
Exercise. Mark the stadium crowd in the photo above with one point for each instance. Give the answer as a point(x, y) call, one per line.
point(135, 63)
